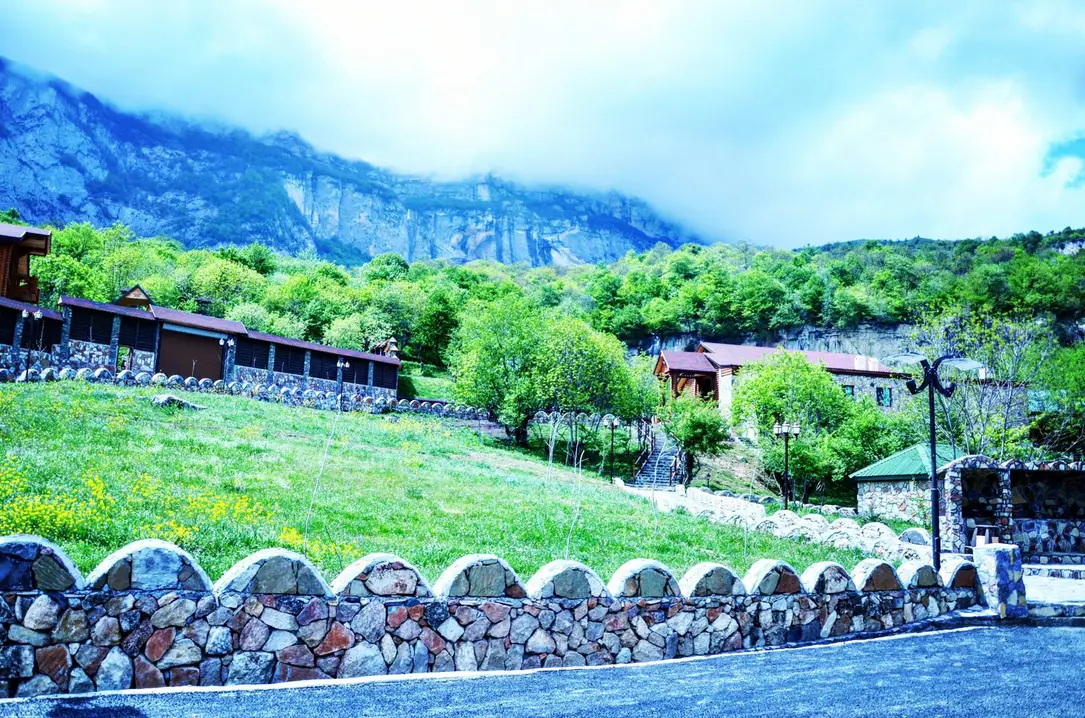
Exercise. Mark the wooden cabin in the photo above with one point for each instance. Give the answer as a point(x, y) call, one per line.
point(17, 245)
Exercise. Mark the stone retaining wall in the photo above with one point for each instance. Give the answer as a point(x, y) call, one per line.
point(149, 616)
point(88, 354)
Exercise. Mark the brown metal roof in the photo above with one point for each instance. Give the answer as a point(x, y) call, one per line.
point(31, 308)
point(107, 308)
point(739, 354)
point(299, 344)
point(687, 361)
point(17, 232)
point(197, 321)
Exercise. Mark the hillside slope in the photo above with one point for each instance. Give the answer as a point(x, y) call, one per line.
point(94, 467)
point(66, 156)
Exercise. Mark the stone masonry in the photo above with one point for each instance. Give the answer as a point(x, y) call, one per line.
point(148, 616)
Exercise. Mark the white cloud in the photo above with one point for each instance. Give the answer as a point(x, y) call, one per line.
point(785, 122)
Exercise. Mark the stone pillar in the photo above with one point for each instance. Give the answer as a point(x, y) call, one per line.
point(65, 335)
point(271, 365)
point(1002, 578)
point(16, 350)
point(114, 344)
point(954, 535)
point(339, 384)
point(369, 379)
point(305, 381)
point(228, 363)
point(1004, 507)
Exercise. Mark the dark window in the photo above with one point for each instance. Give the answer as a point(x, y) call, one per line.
point(323, 366)
point(384, 375)
point(252, 353)
point(91, 326)
point(289, 360)
point(357, 372)
point(40, 334)
point(8, 317)
point(884, 396)
point(137, 333)
point(849, 391)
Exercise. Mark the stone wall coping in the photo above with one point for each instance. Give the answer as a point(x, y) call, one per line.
point(919, 574)
point(58, 553)
point(708, 579)
point(827, 577)
point(400, 584)
point(474, 576)
point(643, 578)
point(769, 577)
point(566, 579)
point(874, 574)
point(98, 577)
point(245, 576)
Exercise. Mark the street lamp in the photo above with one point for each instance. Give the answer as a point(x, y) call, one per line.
point(611, 422)
point(786, 431)
point(933, 383)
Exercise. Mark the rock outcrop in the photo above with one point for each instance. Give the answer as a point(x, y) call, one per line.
point(66, 156)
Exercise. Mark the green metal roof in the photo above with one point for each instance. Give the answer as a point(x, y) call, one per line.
point(911, 463)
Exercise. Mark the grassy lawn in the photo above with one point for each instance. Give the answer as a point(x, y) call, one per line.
point(94, 467)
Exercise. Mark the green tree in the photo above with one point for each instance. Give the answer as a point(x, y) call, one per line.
point(493, 358)
point(698, 427)
point(386, 268)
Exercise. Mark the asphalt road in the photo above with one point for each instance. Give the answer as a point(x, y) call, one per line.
point(992, 672)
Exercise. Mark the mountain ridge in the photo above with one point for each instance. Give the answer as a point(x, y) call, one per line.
point(66, 155)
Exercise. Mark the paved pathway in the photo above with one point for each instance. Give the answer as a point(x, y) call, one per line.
point(1006, 672)
point(1041, 589)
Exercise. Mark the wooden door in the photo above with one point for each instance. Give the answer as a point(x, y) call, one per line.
point(189, 355)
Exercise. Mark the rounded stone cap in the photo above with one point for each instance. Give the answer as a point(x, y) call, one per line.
point(827, 577)
point(149, 565)
point(768, 577)
point(873, 574)
point(917, 574)
point(959, 573)
point(479, 575)
point(103, 374)
point(875, 530)
point(844, 524)
point(565, 579)
point(643, 578)
point(839, 538)
point(915, 536)
point(711, 579)
point(31, 563)
point(381, 574)
point(274, 571)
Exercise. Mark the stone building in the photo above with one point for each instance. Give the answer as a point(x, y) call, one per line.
point(135, 335)
point(898, 486)
point(710, 371)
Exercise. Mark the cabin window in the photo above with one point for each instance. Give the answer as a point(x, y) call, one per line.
point(385, 376)
point(251, 353)
point(8, 317)
point(289, 360)
point(849, 391)
point(357, 372)
point(138, 334)
point(884, 396)
point(323, 366)
point(40, 334)
point(91, 326)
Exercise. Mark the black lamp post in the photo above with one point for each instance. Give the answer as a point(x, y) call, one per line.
point(611, 422)
point(933, 383)
point(786, 431)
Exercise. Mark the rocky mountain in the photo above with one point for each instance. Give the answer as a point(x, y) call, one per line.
point(67, 156)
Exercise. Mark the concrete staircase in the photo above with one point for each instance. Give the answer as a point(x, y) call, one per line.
point(655, 473)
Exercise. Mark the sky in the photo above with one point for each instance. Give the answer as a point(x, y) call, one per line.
point(776, 122)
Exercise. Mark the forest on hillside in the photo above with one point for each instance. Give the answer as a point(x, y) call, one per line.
point(719, 291)
point(516, 339)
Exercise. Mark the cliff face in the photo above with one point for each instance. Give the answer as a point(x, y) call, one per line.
point(65, 156)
